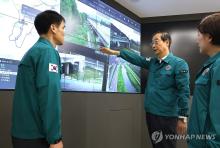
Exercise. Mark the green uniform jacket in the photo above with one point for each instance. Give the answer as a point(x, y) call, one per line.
point(167, 90)
point(205, 112)
point(37, 102)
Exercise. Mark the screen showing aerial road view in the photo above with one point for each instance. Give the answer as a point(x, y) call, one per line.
point(90, 24)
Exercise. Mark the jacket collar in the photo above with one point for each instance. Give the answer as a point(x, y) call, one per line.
point(212, 59)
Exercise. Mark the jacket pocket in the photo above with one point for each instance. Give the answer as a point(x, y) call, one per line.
point(166, 80)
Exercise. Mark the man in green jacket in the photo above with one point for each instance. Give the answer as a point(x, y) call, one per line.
point(167, 91)
point(204, 122)
point(36, 117)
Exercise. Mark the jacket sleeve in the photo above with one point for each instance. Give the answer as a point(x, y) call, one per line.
point(134, 58)
point(48, 86)
point(214, 106)
point(183, 90)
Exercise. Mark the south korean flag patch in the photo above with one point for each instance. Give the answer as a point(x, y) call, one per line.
point(53, 68)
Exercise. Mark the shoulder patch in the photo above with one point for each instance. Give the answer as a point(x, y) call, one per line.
point(184, 71)
point(53, 68)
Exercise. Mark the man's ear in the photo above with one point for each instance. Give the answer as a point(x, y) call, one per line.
point(209, 38)
point(168, 43)
point(53, 28)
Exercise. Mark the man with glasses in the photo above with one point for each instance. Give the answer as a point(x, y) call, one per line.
point(167, 91)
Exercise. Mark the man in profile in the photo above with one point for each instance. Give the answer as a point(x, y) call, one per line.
point(36, 116)
point(167, 90)
point(204, 121)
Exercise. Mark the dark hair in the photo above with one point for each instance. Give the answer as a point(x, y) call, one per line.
point(44, 20)
point(165, 36)
point(211, 25)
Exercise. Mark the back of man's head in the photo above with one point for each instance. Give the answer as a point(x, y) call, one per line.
point(211, 25)
point(45, 19)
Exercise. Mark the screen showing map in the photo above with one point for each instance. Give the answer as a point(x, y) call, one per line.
point(90, 24)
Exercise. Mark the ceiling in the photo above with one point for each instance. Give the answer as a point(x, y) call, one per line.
point(154, 8)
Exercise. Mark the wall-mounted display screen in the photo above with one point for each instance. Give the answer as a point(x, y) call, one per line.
point(90, 24)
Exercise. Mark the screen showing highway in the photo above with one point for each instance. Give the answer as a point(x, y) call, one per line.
point(90, 24)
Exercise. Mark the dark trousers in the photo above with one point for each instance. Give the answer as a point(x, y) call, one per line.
point(159, 127)
point(32, 143)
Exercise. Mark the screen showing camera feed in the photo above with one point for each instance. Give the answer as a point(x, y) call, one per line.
point(90, 24)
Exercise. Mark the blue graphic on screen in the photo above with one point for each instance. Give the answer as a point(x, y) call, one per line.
point(90, 24)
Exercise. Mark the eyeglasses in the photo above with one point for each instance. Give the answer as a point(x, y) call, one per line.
point(156, 42)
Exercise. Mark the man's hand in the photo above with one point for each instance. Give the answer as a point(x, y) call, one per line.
point(109, 51)
point(58, 145)
point(181, 127)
